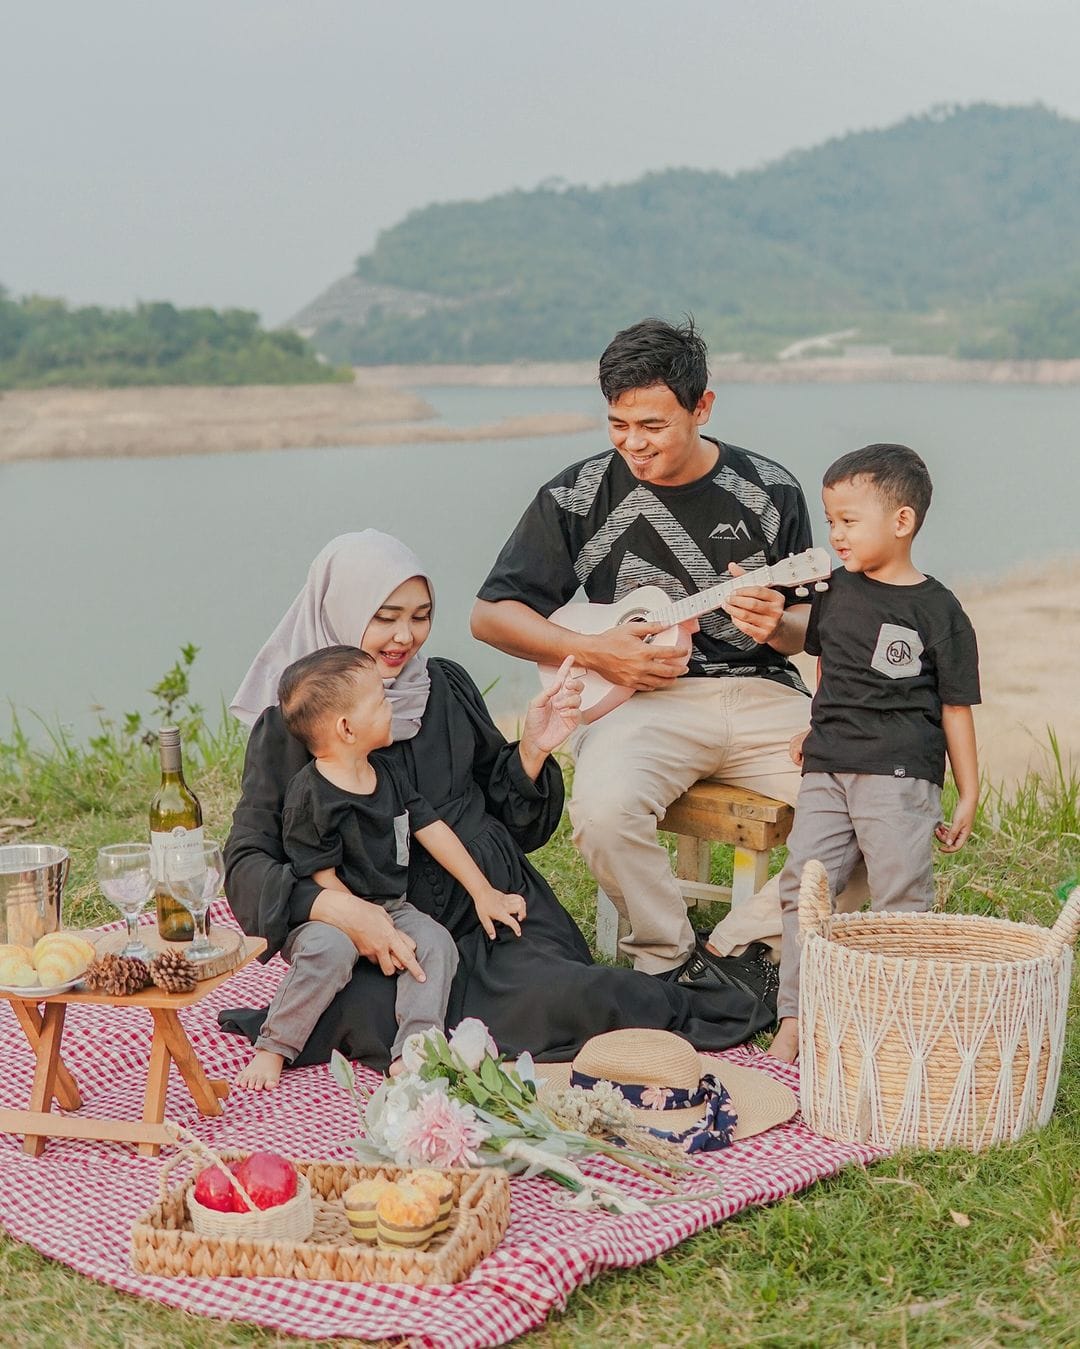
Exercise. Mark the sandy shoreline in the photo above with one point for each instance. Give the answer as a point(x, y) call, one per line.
point(820, 370)
point(382, 408)
point(149, 423)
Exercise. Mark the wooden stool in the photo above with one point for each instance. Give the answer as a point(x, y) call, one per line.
point(708, 813)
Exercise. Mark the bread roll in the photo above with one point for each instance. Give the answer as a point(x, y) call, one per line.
point(18, 973)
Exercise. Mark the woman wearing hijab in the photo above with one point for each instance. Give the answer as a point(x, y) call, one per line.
point(540, 991)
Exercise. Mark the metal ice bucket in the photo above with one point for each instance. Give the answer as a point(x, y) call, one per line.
point(32, 877)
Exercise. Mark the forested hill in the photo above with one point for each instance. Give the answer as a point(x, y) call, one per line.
point(954, 231)
point(44, 342)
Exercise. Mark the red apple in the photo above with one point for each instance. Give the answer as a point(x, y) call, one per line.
point(269, 1179)
point(214, 1189)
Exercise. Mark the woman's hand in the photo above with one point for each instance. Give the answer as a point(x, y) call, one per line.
point(551, 716)
point(371, 930)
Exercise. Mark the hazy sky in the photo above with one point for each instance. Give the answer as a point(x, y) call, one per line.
point(243, 152)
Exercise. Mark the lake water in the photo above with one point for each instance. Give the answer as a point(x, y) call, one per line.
point(108, 566)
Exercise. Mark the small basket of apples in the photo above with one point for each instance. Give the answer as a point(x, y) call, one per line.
point(248, 1195)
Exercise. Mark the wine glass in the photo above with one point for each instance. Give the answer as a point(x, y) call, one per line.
point(193, 875)
point(126, 875)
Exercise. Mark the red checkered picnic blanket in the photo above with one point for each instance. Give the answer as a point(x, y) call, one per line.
point(78, 1201)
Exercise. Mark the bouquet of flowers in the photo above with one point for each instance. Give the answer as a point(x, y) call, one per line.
point(459, 1103)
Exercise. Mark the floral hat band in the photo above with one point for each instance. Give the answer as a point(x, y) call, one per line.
point(674, 1091)
point(715, 1130)
point(650, 1097)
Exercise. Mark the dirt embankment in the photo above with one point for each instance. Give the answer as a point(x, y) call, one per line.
point(82, 423)
point(807, 370)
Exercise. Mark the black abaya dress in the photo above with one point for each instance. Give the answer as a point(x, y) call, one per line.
point(540, 991)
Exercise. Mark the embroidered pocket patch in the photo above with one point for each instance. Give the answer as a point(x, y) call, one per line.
point(401, 838)
point(898, 654)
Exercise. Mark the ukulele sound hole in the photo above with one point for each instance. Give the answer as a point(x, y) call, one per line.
point(635, 616)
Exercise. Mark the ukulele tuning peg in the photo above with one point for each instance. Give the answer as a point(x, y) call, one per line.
point(801, 591)
point(820, 586)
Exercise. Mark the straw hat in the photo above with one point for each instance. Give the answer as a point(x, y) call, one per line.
point(663, 1061)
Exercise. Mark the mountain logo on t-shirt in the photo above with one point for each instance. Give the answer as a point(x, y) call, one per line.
point(727, 531)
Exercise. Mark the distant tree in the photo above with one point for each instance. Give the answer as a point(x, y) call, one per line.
point(43, 342)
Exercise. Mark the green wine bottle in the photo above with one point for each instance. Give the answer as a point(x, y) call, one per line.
point(175, 819)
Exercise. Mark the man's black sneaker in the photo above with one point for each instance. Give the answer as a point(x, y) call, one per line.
point(752, 971)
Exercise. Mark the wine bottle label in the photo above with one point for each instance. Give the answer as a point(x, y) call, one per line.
point(190, 840)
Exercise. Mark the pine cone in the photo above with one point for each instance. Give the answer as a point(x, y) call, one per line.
point(172, 971)
point(117, 975)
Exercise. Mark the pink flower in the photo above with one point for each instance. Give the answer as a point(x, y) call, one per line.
point(440, 1132)
point(655, 1098)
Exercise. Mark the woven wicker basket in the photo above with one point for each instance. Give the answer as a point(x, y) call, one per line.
point(163, 1241)
point(929, 1030)
point(292, 1221)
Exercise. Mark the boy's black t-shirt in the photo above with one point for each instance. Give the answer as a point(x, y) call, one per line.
point(364, 838)
point(890, 657)
point(598, 527)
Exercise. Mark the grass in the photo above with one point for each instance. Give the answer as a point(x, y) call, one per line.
point(920, 1250)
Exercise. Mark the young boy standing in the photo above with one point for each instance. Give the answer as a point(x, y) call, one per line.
point(897, 677)
point(347, 826)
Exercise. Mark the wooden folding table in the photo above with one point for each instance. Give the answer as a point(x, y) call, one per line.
point(42, 1022)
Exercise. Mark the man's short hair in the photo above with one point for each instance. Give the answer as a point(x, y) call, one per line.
point(654, 352)
point(897, 473)
point(319, 687)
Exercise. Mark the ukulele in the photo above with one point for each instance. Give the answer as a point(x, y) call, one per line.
point(649, 604)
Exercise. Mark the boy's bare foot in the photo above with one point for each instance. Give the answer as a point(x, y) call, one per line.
point(785, 1045)
point(262, 1073)
point(395, 1069)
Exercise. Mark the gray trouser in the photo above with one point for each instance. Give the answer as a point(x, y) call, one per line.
point(321, 960)
point(842, 818)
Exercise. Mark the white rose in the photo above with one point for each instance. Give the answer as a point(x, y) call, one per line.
point(412, 1052)
point(525, 1068)
point(472, 1043)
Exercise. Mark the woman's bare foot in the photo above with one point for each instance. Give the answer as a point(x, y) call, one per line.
point(262, 1073)
point(395, 1069)
point(785, 1045)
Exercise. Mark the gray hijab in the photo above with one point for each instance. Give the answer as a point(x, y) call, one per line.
point(346, 586)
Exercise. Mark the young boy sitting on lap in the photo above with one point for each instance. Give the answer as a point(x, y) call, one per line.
point(347, 827)
point(898, 673)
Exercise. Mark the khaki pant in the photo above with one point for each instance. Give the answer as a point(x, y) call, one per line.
point(630, 766)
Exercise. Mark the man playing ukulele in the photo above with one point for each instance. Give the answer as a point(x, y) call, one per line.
point(671, 507)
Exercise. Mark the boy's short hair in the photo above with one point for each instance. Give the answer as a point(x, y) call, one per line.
point(318, 687)
point(896, 472)
point(654, 352)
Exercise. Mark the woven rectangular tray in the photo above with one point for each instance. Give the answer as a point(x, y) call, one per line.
point(162, 1240)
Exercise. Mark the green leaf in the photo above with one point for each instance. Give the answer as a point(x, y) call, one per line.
point(490, 1075)
point(341, 1070)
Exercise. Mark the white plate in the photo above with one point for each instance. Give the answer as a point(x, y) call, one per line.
point(42, 992)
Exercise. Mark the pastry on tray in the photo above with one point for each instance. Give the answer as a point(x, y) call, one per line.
point(405, 1217)
point(437, 1184)
point(360, 1200)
